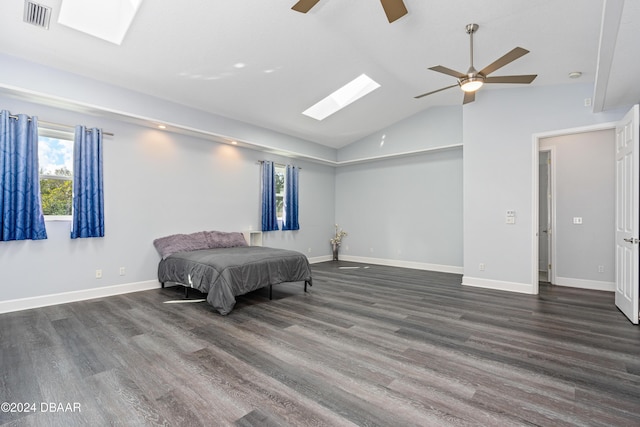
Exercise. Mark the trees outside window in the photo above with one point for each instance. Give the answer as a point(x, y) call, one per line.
point(55, 157)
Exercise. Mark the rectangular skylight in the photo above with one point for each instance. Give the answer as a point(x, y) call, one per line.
point(352, 91)
point(105, 19)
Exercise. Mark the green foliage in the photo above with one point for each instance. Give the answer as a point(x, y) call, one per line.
point(57, 194)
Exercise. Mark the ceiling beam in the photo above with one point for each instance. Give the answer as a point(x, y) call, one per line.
point(611, 17)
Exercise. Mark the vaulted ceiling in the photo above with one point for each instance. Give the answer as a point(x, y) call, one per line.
point(261, 62)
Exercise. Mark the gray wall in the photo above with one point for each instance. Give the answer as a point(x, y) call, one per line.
point(407, 211)
point(158, 183)
point(585, 187)
point(499, 162)
point(432, 128)
point(79, 93)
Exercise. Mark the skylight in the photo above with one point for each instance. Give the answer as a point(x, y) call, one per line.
point(105, 19)
point(352, 91)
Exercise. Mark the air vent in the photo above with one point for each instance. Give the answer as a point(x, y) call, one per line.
point(37, 14)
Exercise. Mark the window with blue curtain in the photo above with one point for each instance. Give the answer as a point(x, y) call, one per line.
point(290, 215)
point(268, 189)
point(21, 215)
point(88, 192)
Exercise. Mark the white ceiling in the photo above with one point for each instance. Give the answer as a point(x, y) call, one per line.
point(186, 51)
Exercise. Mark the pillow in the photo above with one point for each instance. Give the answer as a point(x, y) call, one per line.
point(199, 240)
point(176, 243)
point(220, 239)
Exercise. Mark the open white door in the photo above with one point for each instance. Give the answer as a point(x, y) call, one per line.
point(627, 214)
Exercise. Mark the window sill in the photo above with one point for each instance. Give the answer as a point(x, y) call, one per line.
point(57, 218)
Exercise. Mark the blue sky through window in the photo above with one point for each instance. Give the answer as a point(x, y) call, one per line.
point(54, 154)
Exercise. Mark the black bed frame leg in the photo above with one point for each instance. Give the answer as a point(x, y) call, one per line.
point(186, 293)
point(270, 291)
point(307, 282)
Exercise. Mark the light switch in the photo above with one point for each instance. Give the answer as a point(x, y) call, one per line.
point(577, 220)
point(511, 216)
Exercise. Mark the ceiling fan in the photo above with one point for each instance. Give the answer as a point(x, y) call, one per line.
point(393, 8)
point(472, 80)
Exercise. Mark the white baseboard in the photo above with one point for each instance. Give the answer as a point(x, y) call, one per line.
point(586, 284)
point(404, 264)
point(65, 297)
point(318, 259)
point(523, 288)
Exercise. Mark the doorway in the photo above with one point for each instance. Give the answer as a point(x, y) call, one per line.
point(576, 209)
point(626, 177)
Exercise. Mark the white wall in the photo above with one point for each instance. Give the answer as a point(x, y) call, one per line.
point(78, 93)
point(584, 187)
point(499, 169)
point(157, 183)
point(405, 211)
point(432, 128)
point(408, 209)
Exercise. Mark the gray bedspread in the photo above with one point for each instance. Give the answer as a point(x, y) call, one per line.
point(224, 273)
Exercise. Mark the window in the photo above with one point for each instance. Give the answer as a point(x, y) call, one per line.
point(55, 158)
point(279, 178)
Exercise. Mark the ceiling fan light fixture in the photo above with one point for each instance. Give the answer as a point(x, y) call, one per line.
point(471, 84)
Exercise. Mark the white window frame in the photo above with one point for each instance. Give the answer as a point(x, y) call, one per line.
point(61, 135)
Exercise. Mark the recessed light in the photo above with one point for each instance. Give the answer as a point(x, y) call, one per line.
point(575, 74)
point(234, 142)
point(239, 65)
point(162, 127)
point(351, 92)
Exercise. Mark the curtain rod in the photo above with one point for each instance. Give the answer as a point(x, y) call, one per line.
point(259, 162)
point(57, 124)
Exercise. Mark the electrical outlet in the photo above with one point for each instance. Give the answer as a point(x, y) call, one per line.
point(601, 269)
point(481, 266)
point(577, 220)
point(98, 274)
point(122, 271)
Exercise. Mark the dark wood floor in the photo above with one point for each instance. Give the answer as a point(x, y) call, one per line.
point(366, 346)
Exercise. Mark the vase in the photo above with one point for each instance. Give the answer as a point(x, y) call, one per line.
point(335, 251)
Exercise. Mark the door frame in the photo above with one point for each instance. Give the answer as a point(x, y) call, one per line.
point(551, 241)
point(535, 184)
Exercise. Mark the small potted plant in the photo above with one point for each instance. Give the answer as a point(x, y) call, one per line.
point(336, 241)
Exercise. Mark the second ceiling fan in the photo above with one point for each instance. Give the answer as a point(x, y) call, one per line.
point(393, 8)
point(472, 80)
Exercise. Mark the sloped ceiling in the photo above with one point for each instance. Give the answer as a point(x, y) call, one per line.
point(262, 63)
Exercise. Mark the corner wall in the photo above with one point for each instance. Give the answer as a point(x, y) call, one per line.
point(499, 169)
point(402, 203)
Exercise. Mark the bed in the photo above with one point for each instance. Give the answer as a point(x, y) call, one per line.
point(223, 266)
